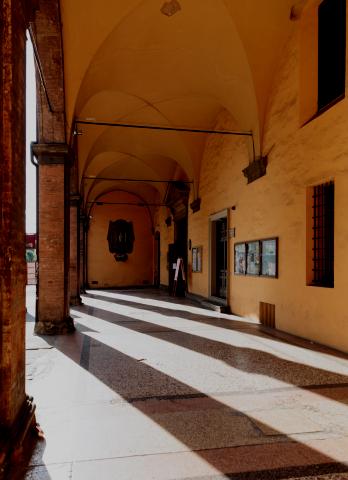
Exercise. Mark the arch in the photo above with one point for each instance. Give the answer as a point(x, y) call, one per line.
point(137, 269)
point(131, 193)
point(126, 166)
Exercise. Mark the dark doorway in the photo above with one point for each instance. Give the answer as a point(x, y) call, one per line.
point(157, 257)
point(219, 258)
point(176, 199)
point(176, 250)
point(180, 238)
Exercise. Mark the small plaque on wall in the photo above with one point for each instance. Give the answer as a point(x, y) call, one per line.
point(197, 259)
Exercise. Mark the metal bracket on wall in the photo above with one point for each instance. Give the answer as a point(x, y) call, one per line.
point(195, 205)
point(256, 169)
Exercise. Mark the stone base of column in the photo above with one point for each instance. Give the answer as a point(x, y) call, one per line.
point(12, 440)
point(75, 301)
point(55, 328)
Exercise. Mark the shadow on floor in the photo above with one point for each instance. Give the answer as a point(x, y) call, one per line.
point(244, 359)
point(206, 317)
point(29, 317)
point(20, 468)
point(216, 426)
point(210, 319)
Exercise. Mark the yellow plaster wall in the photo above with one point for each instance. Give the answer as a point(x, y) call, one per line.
point(275, 205)
point(221, 185)
point(102, 267)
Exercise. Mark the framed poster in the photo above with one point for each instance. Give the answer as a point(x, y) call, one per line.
point(269, 257)
point(257, 257)
point(196, 259)
point(240, 258)
point(253, 258)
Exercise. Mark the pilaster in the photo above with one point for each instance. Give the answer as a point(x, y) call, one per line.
point(16, 409)
point(52, 316)
point(74, 267)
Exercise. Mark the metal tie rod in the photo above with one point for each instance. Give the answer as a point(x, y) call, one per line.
point(91, 177)
point(140, 204)
point(168, 129)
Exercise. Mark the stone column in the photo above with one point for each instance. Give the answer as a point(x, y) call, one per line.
point(83, 259)
point(16, 409)
point(74, 281)
point(52, 316)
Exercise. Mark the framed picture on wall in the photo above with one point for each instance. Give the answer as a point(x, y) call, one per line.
point(269, 257)
point(240, 258)
point(196, 259)
point(253, 258)
point(258, 258)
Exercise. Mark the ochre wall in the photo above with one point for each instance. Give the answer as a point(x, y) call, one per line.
point(102, 267)
point(275, 205)
point(221, 184)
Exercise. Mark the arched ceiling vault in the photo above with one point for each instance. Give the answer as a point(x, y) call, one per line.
point(116, 168)
point(127, 61)
point(135, 198)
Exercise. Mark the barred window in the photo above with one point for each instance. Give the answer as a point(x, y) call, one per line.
point(323, 235)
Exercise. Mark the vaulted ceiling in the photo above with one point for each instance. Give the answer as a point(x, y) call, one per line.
point(174, 63)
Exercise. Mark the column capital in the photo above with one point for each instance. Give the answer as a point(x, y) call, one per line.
point(30, 7)
point(51, 153)
point(75, 199)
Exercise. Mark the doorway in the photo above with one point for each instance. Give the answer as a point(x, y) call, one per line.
point(157, 258)
point(219, 256)
point(176, 250)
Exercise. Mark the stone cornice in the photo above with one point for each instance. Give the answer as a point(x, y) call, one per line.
point(51, 153)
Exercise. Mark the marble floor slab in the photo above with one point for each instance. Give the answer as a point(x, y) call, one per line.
point(152, 387)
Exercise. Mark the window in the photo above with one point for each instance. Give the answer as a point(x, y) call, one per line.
point(331, 51)
point(322, 239)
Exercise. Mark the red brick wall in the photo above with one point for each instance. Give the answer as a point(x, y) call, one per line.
point(12, 208)
point(48, 41)
point(51, 243)
point(73, 282)
point(53, 178)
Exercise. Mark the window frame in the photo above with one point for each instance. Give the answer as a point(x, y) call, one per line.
point(324, 28)
point(314, 247)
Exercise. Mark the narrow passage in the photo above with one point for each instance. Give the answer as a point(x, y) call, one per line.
point(152, 387)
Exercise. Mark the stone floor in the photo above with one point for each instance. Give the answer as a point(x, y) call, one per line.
point(151, 387)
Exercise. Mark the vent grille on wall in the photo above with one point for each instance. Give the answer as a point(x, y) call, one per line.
point(267, 314)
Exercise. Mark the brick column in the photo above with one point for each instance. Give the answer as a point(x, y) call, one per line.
point(82, 252)
point(52, 316)
point(74, 270)
point(16, 409)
